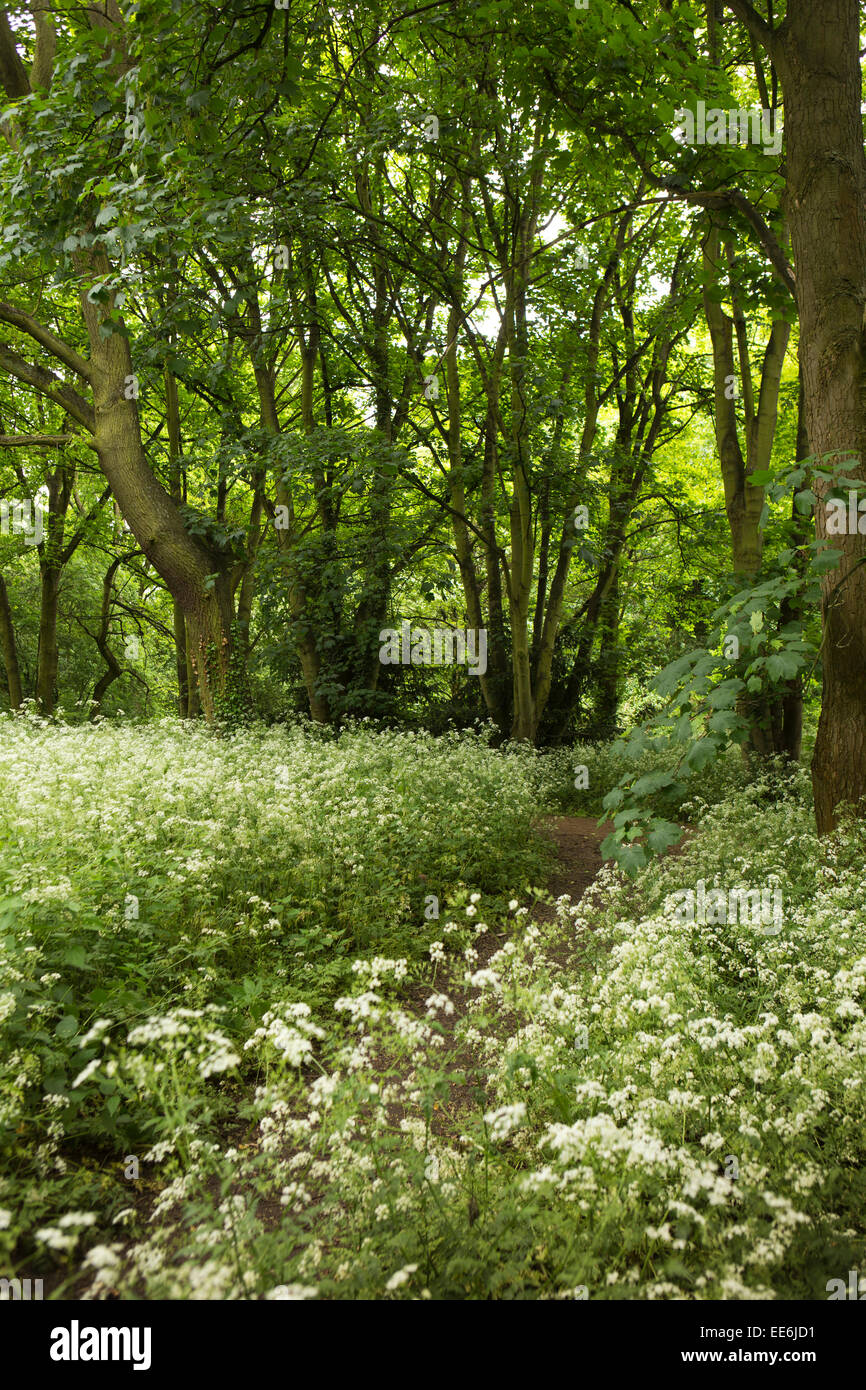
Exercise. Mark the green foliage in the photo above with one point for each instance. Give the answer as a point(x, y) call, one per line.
point(240, 875)
point(719, 695)
point(627, 1107)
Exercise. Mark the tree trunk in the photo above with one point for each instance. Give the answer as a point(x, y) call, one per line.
point(9, 649)
point(46, 670)
point(194, 575)
point(607, 699)
point(175, 452)
point(817, 53)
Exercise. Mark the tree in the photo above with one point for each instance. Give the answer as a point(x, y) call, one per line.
point(816, 50)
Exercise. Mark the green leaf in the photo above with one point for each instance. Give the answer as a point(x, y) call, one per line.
point(76, 955)
point(701, 753)
point(724, 695)
point(723, 721)
point(651, 782)
point(663, 834)
point(783, 665)
point(804, 501)
point(826, 560)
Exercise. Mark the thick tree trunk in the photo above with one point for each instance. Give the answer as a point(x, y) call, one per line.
point(181, 663)
point(193, 707)
point(195, 576)
point(791, 740)
point(817, 53)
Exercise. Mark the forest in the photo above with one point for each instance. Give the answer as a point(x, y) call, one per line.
point(432, 650)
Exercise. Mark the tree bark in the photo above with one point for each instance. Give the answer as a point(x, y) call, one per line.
point(195, 575)
point(817, 53)
point(9, 649)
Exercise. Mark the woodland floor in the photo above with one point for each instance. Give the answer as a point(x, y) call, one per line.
point(576, 841)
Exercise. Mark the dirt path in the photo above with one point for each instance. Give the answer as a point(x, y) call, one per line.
point(577, 840)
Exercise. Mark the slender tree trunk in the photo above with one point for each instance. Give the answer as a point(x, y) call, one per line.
point(303, 625)
point(607, 702)
point(743, 501)
point(175, 451)
point(113, 669)
point(9, 649)
point(187, 566)
point(498, 684)
point(47, 665)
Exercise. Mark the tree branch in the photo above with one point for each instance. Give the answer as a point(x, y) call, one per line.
point(17, 318)
point(73, 543)
point(42, 441)
point(757, 26)
point(49, 385)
